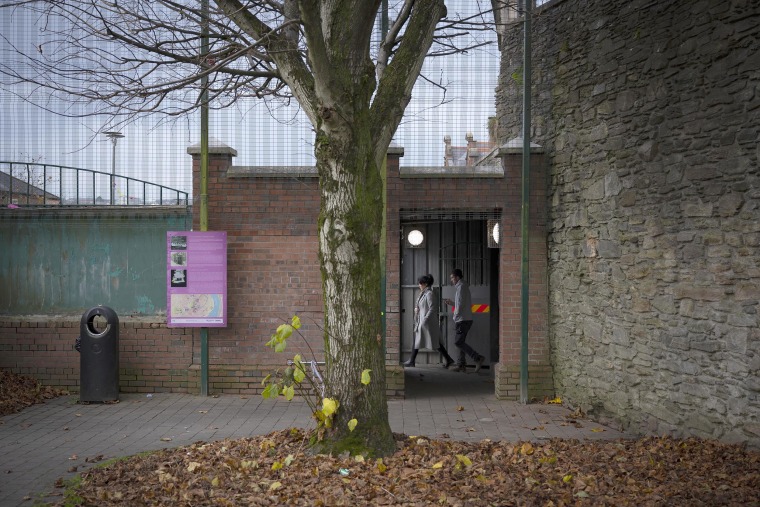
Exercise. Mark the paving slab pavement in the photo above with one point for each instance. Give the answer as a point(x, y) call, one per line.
point(61, 437)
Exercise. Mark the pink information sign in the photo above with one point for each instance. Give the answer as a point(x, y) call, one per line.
point(196, 279)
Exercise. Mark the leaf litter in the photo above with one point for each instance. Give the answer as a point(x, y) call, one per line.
point(278, 469)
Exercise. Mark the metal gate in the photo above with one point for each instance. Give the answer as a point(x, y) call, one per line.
point(437, 247)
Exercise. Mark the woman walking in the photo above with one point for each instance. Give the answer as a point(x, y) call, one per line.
point(426, 327)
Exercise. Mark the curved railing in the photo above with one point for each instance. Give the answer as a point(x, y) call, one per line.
point(31, 184)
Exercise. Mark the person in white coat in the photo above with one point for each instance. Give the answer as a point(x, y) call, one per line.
point(426, 328)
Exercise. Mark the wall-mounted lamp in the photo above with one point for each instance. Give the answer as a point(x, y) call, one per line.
point(494, 233)
point(414, 237)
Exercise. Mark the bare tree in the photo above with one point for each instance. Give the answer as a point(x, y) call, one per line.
point(128, 57)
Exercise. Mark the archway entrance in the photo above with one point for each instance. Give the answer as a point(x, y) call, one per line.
point(436, 242)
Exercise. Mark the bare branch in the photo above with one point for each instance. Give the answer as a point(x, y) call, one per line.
point(391, 39)
point(129, 57)
point(394, 91)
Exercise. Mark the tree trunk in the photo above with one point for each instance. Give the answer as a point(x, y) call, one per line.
point(350, 224)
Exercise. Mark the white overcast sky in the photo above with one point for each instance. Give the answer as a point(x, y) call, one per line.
point(157, 153)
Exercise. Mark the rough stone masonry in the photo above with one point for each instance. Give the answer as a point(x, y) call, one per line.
point(650, 116)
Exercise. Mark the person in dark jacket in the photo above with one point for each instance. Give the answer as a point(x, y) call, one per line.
point(463, 321)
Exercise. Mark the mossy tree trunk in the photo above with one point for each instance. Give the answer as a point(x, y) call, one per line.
point(355, 116)
point(350, 222)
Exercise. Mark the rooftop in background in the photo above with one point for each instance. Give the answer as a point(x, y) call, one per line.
point(473, 154)
point(25, 191)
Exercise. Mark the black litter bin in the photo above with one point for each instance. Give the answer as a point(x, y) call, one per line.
point(99, 356)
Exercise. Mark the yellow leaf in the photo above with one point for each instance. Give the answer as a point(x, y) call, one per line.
point(215, 482)
point(284, 331)
point(381, 466)
point(276, 465)
point(296, 322)
point(597, 430)
point(555, 401)
point(438, 465)
point(359, 458)
point(289, 460)
point(192, 466)
point(275, 485)
point(526, 449)
point(460, 408)
point(352, 424)
point(567, 478)
point(365, 377)
point(289, 392)
point(464, 460)
point(329, 406)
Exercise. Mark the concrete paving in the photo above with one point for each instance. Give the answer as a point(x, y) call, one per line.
point(60, 438)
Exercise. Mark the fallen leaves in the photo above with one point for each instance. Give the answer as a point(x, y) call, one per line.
point(423, 471)
point(20, 391)
point(649, 471)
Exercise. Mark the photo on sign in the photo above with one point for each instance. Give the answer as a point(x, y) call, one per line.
point(179, 242)
point(179, 278)
point(179, 258)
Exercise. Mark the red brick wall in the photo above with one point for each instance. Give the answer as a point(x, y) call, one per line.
point(152, 357)
point(273, 273)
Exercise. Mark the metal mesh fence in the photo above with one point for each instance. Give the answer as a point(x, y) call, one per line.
point(454, 99)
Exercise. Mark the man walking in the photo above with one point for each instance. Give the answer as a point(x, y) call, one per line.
point(463, 321)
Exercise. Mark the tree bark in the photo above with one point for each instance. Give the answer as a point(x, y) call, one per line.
point(350, 223)
point(349, 149)
point(335, 86)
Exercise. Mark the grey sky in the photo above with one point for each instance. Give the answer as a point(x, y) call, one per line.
point(261, 133)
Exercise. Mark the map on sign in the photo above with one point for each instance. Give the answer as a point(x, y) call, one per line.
point(197, 305)
point(196, 279)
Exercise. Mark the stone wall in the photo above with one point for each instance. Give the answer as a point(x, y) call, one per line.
point(650, 116)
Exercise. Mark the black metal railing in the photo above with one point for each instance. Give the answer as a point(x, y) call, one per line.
point(31, 184)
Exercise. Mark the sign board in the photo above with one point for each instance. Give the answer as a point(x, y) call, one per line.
point(196, 279)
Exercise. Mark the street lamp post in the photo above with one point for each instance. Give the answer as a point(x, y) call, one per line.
point(114, 137)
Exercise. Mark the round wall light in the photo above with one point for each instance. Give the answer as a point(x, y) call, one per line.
point(415, 238)
point(494, 233)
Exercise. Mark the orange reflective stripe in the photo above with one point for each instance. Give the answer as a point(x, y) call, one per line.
point(481, 308)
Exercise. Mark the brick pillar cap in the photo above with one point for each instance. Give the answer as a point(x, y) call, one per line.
point(516, 146)
point(395, 150)
point(215, 147)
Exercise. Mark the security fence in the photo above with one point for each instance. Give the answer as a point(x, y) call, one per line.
point(32, 184)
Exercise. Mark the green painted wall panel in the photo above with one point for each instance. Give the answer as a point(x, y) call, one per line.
point(58, 261)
